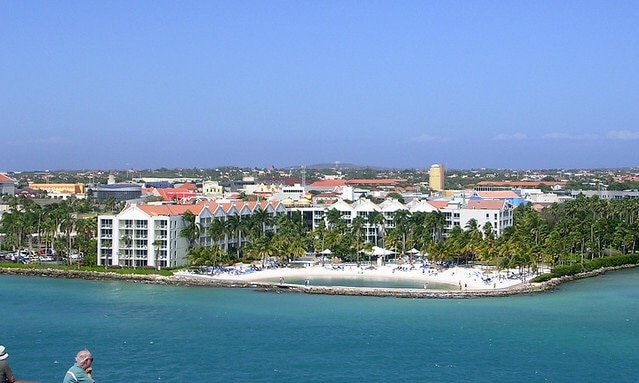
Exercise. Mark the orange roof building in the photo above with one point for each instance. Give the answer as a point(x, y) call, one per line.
point(7, 185)
point(143, 235)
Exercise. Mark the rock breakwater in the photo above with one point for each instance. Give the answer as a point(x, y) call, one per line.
point(203, 281)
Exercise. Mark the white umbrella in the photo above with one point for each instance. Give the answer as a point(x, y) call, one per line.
point(326, 252)
point(413, 251)
point(381, 251)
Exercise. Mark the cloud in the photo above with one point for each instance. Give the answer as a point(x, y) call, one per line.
point(625, 135)
point(622, 135)
point(428, 138)
point(509, 137)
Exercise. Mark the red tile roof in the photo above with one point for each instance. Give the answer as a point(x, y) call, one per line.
point(328, 183)
point(4, 178)
point(188, 186)
point(353, 182)
point(497, 194)
point(438, 204)
point(170, 210)
point(177, 209)
point(169, 194)
point(528, 184)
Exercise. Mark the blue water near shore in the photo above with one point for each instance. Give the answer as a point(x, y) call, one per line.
point(585, 331)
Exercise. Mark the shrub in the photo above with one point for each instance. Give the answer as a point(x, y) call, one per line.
point(597, 263)
point(542, 278)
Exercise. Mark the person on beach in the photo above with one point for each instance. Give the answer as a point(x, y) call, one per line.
point(6, 375)
point(81, 371)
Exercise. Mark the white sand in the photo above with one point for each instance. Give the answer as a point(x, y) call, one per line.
point(471, 279)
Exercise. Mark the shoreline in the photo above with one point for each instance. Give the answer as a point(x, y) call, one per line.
point(244, 281)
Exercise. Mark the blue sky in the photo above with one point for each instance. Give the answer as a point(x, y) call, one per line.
point(150, 84)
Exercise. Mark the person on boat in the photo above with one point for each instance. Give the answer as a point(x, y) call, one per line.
point(81, 371)
point(6, 375)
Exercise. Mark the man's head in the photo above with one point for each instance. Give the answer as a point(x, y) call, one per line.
point(3, 353)
point(84, 359)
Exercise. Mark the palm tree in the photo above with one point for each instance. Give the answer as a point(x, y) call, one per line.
point(106, 245)
point(262, 249)
point(262, 219)
point(191, 229)
point(127, 240)
point(401, 219)
point(376, 219)
point(67, 224)
point(218, 231)
point(200, 256)
point(86, 229)
point(156, 248)
point(436, 221)
point(474, 238)
point(357, 226)
point(234, 226)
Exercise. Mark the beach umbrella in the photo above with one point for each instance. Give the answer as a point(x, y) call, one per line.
point(413, 251)
point(379, 251)
point(326, 252)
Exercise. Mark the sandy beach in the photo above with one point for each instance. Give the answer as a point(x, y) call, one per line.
point(456, 278)
point(474, 282)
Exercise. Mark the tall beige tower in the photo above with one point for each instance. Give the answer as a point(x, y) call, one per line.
point(436, 177)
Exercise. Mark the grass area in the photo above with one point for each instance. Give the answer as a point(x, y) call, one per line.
point(99, 269)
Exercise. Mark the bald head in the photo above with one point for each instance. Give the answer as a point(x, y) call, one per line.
point(84, 359)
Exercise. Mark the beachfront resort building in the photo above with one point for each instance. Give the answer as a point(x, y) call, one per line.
point(457, 212)
point(143, 235)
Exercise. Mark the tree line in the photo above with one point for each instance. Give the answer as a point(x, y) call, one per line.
point(581, 229)
point(560, 234)
point(55, 227)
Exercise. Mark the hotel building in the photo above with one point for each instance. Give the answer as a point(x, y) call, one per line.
point(149, 234)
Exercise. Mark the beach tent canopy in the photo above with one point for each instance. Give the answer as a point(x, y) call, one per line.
point(380, 251)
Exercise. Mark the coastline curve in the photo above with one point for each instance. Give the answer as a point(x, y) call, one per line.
point(188, 280)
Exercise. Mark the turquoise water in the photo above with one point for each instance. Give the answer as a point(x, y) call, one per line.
point(585, 331)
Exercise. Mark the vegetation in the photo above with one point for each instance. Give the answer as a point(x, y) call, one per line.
point(57, 228)
point(580, 230)
point(572, 233)
point(587, 266)
point(116, 270)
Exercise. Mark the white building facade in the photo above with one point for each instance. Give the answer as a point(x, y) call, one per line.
point(148, 235)
point(456, 212)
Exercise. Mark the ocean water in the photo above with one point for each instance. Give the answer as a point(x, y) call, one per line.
point(584, 331)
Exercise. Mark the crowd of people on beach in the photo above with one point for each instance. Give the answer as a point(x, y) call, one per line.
point(80, 372)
